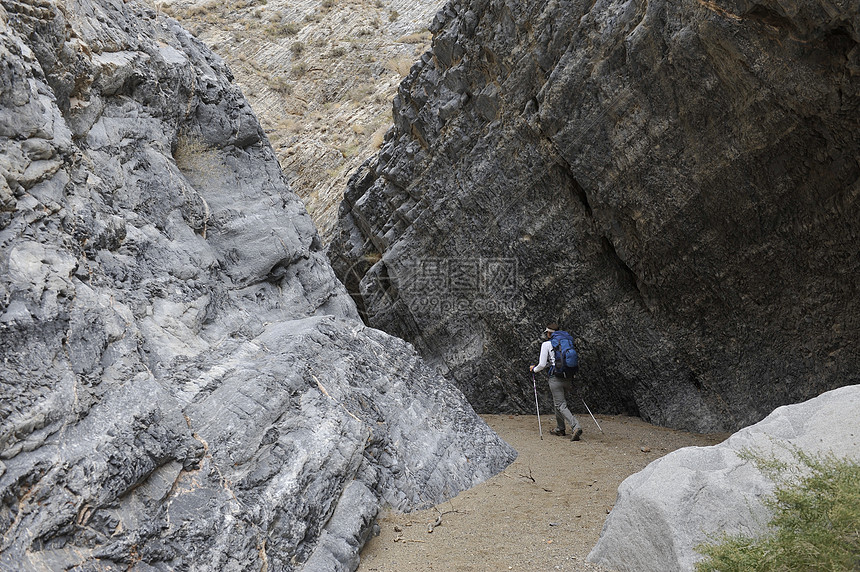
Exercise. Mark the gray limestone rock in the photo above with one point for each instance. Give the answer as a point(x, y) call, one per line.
point(675, 182)
point(185, 384)
point(692, 495)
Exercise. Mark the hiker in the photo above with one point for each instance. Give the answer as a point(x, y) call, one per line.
point(559, 379)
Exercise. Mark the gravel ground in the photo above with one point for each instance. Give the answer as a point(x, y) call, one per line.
point(544, 512)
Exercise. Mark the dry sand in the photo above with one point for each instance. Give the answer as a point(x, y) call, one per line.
point(543, 513)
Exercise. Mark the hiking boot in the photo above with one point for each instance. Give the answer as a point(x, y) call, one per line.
point(559, 432)
point(576, 433)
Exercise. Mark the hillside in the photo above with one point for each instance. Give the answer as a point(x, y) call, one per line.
point(319, 74)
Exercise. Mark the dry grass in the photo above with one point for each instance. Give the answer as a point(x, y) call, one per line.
point(421, 37)
point(277, 30)
point(399, 64)
point(378, 137)
point(194, 156)
point(297, 48)
point(281, 84)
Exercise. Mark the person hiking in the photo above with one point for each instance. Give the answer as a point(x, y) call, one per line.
point(559, 380)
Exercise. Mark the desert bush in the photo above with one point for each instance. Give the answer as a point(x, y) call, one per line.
point(289, 125)
point(400, 64)
point(299, 69)
point(281, 84)
point(416, 38)
point(360, 93)
point(282, 29)
point(816, 522)
point(378, 137)
point(297, 48)
point(199, 10)
point(349, 150)
point(192, 154)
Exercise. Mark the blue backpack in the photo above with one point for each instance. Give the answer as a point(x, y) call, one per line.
point(566, 358)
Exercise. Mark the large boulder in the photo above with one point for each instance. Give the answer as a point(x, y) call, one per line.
point(674, 181)
point(185, 384)
point(694, 494)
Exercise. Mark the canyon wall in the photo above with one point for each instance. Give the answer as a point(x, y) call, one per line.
point(676, 183)
point(185, 384)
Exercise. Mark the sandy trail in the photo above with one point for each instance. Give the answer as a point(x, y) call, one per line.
point(544, 512)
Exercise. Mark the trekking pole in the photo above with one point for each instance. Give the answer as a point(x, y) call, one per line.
point(534, 383)
point(592, 415)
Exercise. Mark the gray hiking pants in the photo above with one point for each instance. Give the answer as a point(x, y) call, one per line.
point(558, 386)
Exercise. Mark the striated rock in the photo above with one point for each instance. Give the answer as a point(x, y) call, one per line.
point(185, 384)
point(675, 182)
point(694, 494)
point(319, 75)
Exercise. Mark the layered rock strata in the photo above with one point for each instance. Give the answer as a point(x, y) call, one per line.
point(675, 182)
point(185, 384)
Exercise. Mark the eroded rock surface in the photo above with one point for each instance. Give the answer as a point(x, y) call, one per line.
point(693, 495)
point(675, 182)
point(185, 384)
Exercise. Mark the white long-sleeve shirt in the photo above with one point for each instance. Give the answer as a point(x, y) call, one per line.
point(547, 356)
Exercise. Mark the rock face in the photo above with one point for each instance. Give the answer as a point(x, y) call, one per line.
point(691, 495)
point(185, 384)
point(319, 75)
point(675, 182)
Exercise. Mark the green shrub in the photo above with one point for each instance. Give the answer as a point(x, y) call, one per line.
point(816, 523)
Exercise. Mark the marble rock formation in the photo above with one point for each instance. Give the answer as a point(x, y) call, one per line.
point(185, 384)
point(693, 495)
